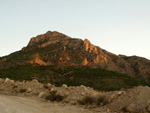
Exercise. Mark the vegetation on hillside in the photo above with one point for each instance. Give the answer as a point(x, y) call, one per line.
point(99, 79)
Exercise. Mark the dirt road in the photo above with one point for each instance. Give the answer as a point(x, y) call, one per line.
point(14, 104)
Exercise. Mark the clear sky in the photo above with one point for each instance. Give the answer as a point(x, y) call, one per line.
point(118, 26)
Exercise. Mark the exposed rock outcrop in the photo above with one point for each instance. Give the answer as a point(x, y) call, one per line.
point(47, 39)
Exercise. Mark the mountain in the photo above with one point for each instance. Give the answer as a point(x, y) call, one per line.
point(55, 53)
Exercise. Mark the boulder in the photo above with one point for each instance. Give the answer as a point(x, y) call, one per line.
point(141, 102)
point(35, 81)
point(7, 80)
point(64, 86)
point(52, 89)
point(134, 108)
point(82, 94)
point(42, 94)
point(62, 93)
point(49, 85)
point(29, 90)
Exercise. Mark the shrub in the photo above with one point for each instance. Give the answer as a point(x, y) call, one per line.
point(87, 100)
point(54, 97)
point(124, 109)
point(14, 86)
point(101, 100)
point(22, 90)
point(45, 86)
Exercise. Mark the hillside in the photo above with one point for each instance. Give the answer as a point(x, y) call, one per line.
point(58, 58)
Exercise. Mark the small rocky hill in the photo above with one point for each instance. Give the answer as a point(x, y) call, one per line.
point(59, 50)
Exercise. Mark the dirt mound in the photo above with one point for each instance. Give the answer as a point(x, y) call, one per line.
point(135, 100)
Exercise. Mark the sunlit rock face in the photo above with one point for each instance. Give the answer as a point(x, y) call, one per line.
point(47, 39)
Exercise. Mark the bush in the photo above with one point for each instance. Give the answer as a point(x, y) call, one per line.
point(54, 97)
point(87, 100)
point(96, 78)
point(22, 90)
point(45, 86)
point(101, 100)
point(14, 86)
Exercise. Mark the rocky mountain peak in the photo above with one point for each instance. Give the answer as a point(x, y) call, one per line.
point(47, 38)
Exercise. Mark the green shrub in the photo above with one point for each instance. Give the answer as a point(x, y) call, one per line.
point(96, 78)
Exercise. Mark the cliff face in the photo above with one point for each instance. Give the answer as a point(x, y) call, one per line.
point(54, 48)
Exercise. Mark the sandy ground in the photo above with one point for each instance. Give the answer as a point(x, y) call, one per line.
point(14, 104)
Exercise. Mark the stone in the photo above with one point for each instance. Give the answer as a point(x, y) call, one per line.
point(120, 93)
point(35, 82)
point(29, 90)
point(64, 86)
point(82, 94)
point(24, 82)
point(52, 89)
point(46, 86)
point(18, 83)
point(49, 85)
point(85, 62)
point(15, 86)
point(108, 110)
point(42, 94)
point(72, 102)
point(82, 86)
point(133, 107)
point(8, 80)
point(62, 93)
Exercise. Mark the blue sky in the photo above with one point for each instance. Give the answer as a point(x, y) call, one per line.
point(118, 26)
